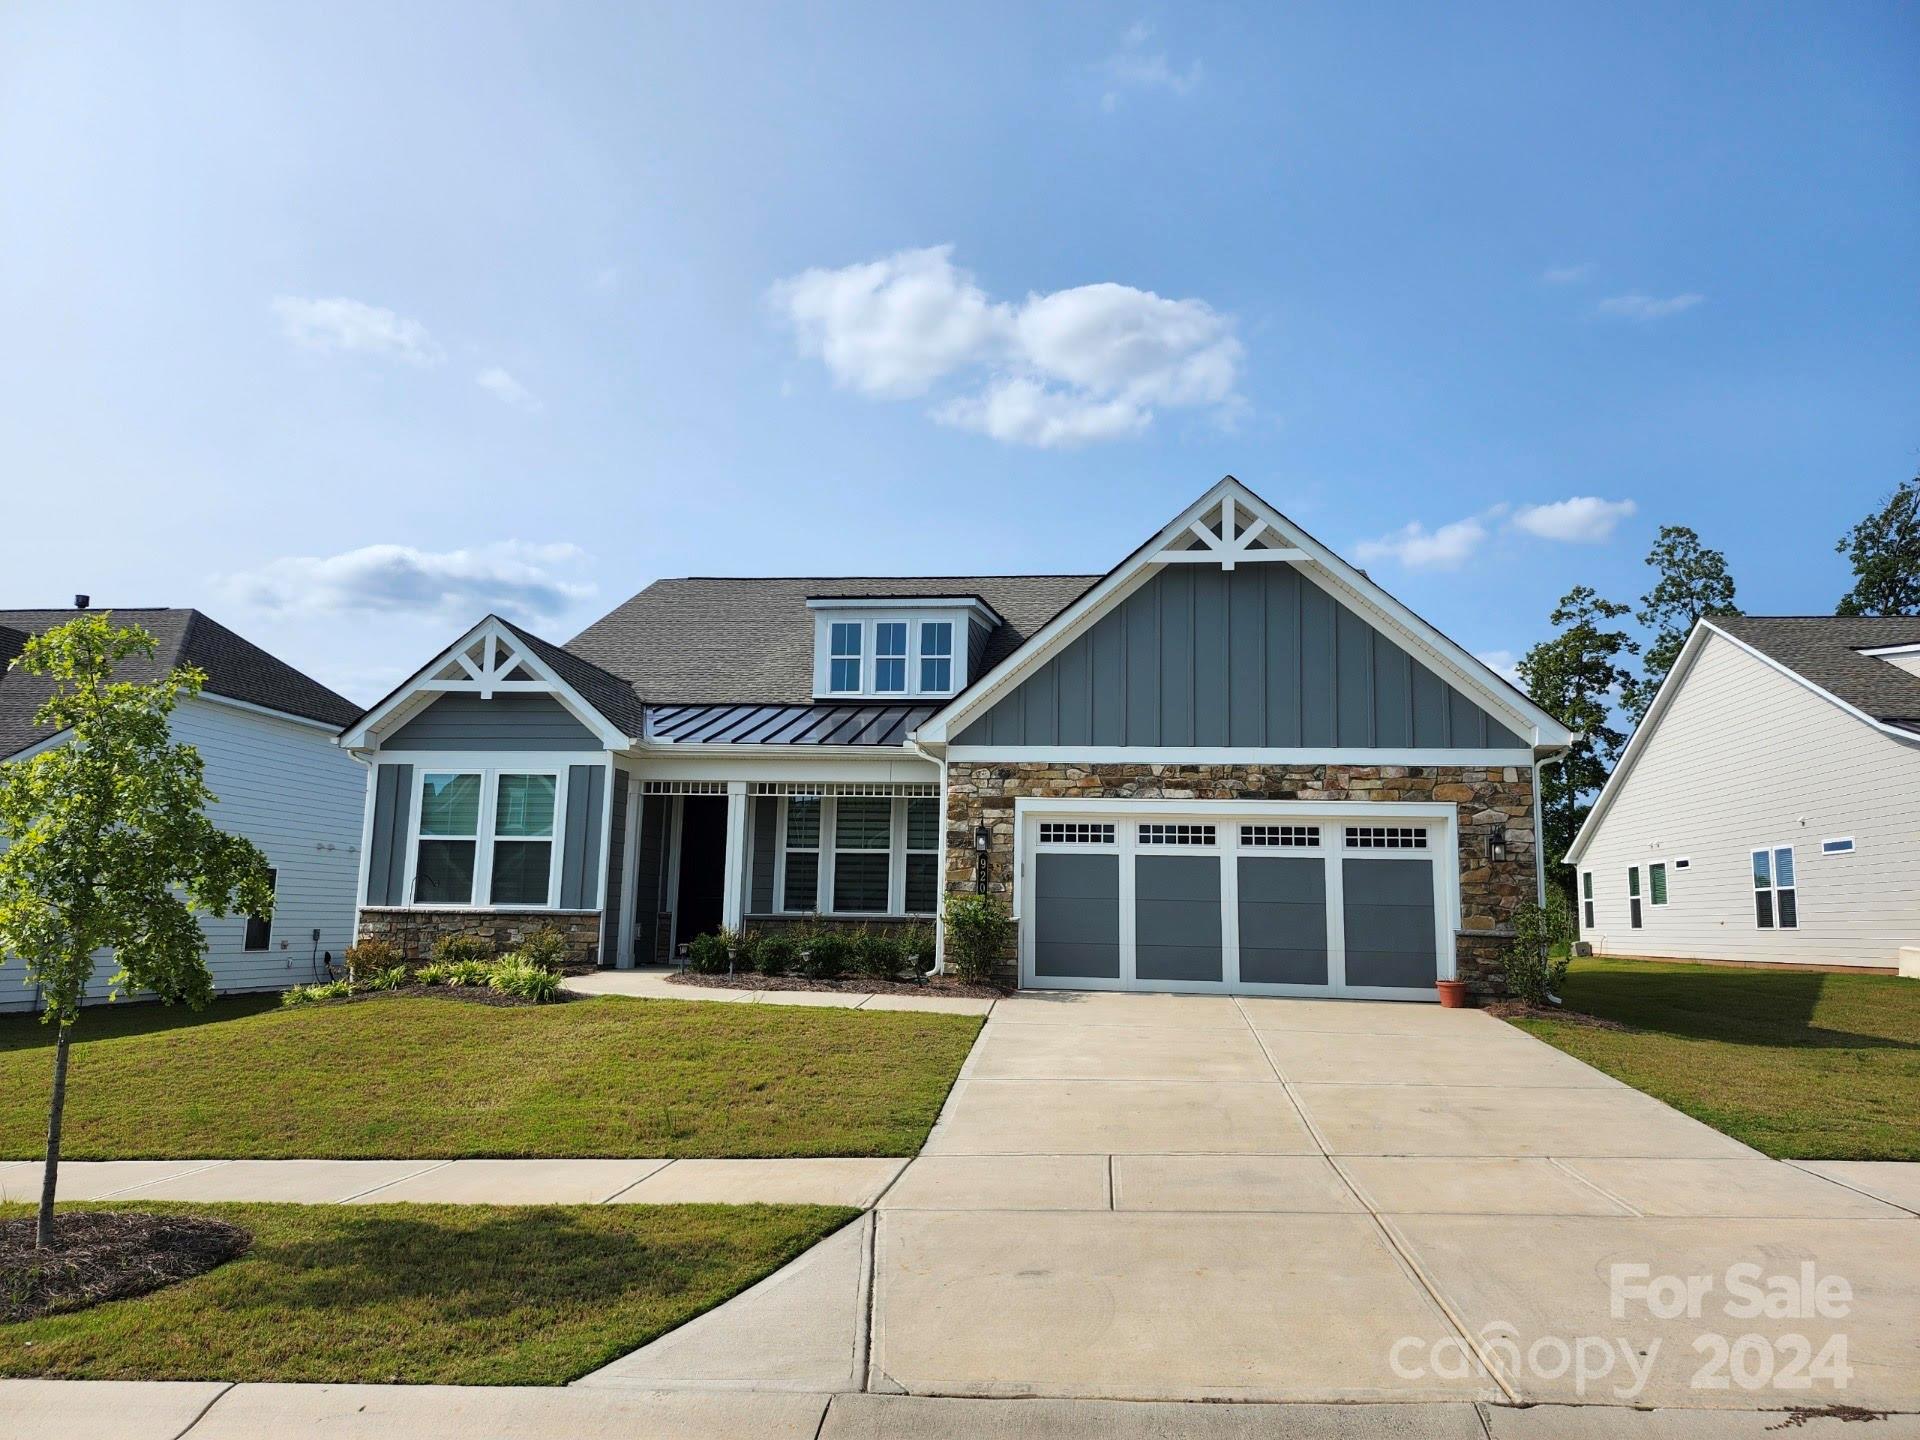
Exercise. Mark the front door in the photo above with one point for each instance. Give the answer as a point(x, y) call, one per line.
point(703, 866)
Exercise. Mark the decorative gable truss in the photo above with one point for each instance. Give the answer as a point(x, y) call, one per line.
point(1224, 529)
point(489, 660)
point(1232, 536)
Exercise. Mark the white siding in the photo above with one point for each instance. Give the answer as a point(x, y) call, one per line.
point(300, 798)
point(1746, 758)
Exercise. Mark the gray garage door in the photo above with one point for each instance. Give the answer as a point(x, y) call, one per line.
point(1077, 916)
point(1176, 918)
point(1283, 919)
point(1389, 919)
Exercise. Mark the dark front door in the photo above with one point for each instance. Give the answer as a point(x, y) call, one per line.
point(703, 865)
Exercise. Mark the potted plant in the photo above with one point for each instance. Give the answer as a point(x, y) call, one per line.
point(1453, 994)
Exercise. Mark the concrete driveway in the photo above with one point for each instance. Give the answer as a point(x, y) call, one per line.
point(1195, 1198)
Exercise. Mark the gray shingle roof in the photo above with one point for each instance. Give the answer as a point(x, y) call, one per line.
point(708, 640)
point(1826, 650)
point(235, 667)
point(607, 693)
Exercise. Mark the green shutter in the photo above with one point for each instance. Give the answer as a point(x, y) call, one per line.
point(1657, 880)
point(1633, 881)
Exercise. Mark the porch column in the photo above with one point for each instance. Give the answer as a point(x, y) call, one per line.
point(733, 898)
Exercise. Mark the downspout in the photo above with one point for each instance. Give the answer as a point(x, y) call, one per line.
point(940, 917)
point(1539, 821)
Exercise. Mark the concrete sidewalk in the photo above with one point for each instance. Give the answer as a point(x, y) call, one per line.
point(833, 1181)
point(652, 983)
point(83, 1410)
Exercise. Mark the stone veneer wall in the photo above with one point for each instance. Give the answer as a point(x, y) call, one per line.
point(1490, 799)
point(415, 931)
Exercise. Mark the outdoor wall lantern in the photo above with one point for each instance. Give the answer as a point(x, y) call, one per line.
point(982, 838)
point(1497, 847)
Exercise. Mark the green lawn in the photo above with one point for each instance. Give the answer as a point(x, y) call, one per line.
point(418, 1294)
point(428, 1078)
point(1798, 1064)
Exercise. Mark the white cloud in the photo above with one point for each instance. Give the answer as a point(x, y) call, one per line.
point(512, 578)
point(1647, 307)
point(1581, 520)
point(1503, 663)
point(1567, 274)
point(347, 326)
point(1418, 548)
point(1093, 362)
point(503, 387)
point(1134, 67)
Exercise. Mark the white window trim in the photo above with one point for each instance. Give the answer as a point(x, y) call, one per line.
point(916, 619)
point(483, 837)
point(905, 657)
point(829, 848)
point(859, 657)
point(921, 657)
point(1773, 887)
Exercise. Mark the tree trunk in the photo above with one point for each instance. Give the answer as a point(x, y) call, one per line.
point(43, 1235)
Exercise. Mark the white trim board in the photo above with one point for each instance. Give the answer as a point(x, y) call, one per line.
point(1316, 563)
point(1231, 755)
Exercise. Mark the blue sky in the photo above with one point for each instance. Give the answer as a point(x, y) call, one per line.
point(348, 322)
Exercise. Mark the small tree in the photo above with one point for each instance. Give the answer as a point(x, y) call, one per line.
point(1534, 971)
point(1884, 549)
point(107, 845)
point(979, 934)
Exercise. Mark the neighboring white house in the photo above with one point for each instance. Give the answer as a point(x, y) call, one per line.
point(266, 733)
point(1768, 808)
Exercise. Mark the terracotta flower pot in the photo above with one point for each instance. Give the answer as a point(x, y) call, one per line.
point(1453, 994)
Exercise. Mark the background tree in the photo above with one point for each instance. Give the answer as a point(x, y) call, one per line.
point(107, 844)
point(1693, 583)
point(1885, 551)
point(1577, 676)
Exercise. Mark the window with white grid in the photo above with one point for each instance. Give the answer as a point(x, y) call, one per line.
point(1280, 837)
point(1178, 834)
point(1386, 837)
point(1074, 832)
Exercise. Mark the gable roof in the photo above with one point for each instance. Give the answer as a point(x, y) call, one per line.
point(235, 667)
point(714, 640)
point(1821, 652)
point(1825, 651)
point(1205, 526)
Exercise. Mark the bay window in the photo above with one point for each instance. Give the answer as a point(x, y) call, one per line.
point(857, 855)
point(487, 837)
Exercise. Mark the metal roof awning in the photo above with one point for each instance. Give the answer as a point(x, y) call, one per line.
point(863, 725)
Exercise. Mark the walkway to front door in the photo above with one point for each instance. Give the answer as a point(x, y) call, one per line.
point(1143, 1196)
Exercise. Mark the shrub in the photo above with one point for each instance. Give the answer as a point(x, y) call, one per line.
point(1535, 964)
point(746, 952)
point(522, 978)
point(545, 947)
point(307, 994)
point(916, 949)
point(458, 949)
point(823, 955)
point(370, 957)
point(391, 978)
point(979, 934)
point(773, 955)
point(875, 954)
point(708, 954)
point(456, 972)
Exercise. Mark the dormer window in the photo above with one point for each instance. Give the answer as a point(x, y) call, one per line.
point(936, 657)
point(845, 661)
point(890, 657)
point(897, 647)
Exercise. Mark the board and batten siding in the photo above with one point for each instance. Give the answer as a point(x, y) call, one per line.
point(298, 797)
point(1256, 657)
point(1745, 758)
point(511, 721)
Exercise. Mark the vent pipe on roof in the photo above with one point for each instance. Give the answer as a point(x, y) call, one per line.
point(80, 602)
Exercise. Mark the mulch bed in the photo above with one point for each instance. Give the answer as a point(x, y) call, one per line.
point(932, 985)
point(472, 994)
point(1524, 1010)
point(106, 1255)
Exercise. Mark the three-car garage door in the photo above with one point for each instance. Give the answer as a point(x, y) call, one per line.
point(1241, 901)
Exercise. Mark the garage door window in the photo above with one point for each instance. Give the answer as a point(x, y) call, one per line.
point(1385, 837)
point(1178, 834)
point(1055, 832)
point(1280, 837)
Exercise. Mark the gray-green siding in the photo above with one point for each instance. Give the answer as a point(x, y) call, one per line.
point(461, 721)
point(766, 820)
point(387, 851)
point(616, 861)
point(580, 860)
point(1255, 656)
